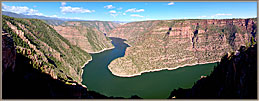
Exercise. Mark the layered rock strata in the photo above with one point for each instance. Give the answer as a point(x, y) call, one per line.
point(169, 44)
point(89, 36)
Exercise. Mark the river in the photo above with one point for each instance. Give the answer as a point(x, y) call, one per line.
point(154, 85)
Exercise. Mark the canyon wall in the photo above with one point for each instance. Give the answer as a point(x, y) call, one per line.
point(89, 36)
point(169, 44)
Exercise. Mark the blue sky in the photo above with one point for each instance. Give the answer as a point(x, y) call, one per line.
point(135, 11)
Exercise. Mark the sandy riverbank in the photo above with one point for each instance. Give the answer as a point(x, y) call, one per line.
point(161, 69)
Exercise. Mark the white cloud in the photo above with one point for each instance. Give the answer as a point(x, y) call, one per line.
point(134, 10)
point(124, 14)
point(69, 9)
point(171, 3)
point(114, 15)
point(109, 7)
point(63, 3)
point(119, 8)
point(223, 14)
point(112, 11)
point(20, 10)
point(136, 15)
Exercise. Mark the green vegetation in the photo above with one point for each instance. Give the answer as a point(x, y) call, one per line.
point(58, 54)
point(18, 41)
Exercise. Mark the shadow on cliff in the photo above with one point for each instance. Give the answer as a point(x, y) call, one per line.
point(29, 83)
point(235, 77)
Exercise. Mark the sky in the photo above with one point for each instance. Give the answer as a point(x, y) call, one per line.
point(135, 11)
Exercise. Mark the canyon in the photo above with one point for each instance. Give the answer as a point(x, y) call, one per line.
point(56, 52)
point(170, 44)
point(50, 52)
point(38, 62)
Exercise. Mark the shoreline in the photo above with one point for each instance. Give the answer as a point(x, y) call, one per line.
point(127, 43)
point(81, 73)
point(138, 74)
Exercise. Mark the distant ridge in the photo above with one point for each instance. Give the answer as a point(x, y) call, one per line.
point(15, 15)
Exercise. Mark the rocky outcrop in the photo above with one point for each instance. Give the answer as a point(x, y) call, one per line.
point(157, 45)
point(233, 78)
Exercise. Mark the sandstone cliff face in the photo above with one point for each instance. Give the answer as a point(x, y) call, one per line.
point(172, 43)
point(47, 50)
point(89, 36)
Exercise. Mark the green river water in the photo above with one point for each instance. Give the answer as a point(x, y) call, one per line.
point(154, 85)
